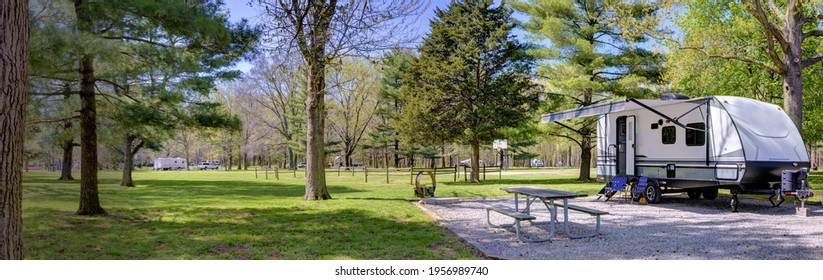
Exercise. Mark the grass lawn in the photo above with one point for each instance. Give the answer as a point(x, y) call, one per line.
point(233, 215)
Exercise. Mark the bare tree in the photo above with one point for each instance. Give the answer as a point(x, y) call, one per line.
point(323, 31)
point(353, 96)
point(279, 88)
point(14, 56)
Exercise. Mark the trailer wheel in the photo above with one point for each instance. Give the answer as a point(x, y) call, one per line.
point(710, 194)
point(694, 194)
point(652, 192)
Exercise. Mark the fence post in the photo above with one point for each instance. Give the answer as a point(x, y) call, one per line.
point(267, 172)
point(338, 171)
point(295, 172)
point(387, 173)
point(455, 173)
point(501, 172)
point(255, 172)
point(366, 170)
point(276, 173)
point(465, 179)
point(411, 175)
point(484, 172)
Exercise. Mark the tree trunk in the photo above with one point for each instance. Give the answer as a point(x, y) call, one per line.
point(89, 200)
point(14, 54)
point(396, 155)
point(239, 160)
point(793, 95)
point(291, 156)
point(128, 159)
point(585, 158)
point(475, 174)
point(315, 122)
point(68, 158)
point(443, 156)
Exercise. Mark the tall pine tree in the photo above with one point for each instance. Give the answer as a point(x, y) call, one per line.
point(588, 60)
point(471, 80)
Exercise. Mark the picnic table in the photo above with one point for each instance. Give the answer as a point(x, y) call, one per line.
point(548, 198)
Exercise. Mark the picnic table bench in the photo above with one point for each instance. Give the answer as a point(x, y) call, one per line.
point(547, 197)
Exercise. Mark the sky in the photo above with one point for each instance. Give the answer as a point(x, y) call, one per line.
point(239, 9)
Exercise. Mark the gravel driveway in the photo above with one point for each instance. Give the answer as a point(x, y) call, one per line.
point(676, 228)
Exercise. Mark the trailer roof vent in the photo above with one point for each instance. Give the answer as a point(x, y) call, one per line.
point(673, 96)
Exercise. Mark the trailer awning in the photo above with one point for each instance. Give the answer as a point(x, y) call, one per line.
point(587, 111)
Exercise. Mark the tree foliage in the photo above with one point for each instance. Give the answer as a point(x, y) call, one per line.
point(472, 78)
point(756, 49)
point(589, 58)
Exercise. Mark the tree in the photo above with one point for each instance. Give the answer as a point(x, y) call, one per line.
point(323, 31)
point(353, 97)
point(115, 43)
point(471, 80)
point(277, 83)
point(14, 55)
point(589, 60)
point(395, 64)
point(785, 32)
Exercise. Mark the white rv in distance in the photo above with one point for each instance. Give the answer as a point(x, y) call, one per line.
point(169, 163)
point(700, 145)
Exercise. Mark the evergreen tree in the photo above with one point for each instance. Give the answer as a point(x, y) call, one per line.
point(125, 47)
point(588, 60)
point(471, 80)
point(395, 64)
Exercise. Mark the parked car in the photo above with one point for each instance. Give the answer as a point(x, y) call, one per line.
point(468, 163)
point(301, 165)
point(208, 165)
point(537, 163)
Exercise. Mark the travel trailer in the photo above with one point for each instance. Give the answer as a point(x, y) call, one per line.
point(169, 163)
point(700, 145)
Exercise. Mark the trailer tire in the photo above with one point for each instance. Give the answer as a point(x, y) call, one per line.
point(652, 192)
point(694, 194)
point(710, 194)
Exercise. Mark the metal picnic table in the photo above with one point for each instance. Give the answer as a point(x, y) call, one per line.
point(548, 197)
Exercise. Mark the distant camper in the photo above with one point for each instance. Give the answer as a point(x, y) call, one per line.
point(169, 163)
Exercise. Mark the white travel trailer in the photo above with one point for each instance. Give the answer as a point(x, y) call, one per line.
point(169, 163)
point(649, 147)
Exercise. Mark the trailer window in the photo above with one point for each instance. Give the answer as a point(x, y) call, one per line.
point(696, 137)
point(669, 135)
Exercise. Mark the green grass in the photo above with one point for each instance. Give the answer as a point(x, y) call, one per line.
point(233, 215)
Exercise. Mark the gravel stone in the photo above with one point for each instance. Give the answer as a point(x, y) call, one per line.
point(676, 228)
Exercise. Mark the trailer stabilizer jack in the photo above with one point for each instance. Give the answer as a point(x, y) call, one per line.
point(780, 199)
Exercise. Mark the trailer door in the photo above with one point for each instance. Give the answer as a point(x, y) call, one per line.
point(625, 145)
point(630, 148)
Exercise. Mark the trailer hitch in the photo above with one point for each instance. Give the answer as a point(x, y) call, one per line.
point(794, 182)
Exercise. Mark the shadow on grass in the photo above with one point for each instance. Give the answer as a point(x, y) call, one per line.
point(236, 233)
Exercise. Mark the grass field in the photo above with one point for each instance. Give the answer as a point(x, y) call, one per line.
point(233, 215)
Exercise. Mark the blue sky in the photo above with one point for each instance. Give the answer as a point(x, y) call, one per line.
point(239, 9)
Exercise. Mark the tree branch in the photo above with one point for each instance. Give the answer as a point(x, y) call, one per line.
point(810, 61)
point(53, 120)
point(734, 57)
point(136, 39)
point(813, 33)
